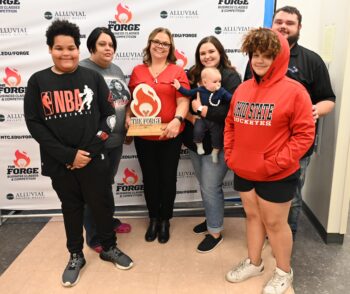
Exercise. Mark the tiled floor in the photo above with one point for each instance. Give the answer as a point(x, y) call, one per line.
point(174, 267)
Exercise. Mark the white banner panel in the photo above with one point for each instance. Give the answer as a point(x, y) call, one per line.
point(23, 52)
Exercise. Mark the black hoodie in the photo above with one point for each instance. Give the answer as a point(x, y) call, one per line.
point(64, 113)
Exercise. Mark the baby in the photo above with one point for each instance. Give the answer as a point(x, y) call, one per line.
point(211, 94)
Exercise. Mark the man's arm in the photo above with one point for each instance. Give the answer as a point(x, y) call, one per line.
point(322, 108)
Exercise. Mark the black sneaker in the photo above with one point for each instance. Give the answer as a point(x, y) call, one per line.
point(209, 243)
point(71, 273)
point(117, 257)
point(201, 228)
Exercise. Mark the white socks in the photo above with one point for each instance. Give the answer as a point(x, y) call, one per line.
point(200, 149)
point(215, 154)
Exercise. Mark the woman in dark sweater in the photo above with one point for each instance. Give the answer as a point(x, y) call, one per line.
point(210, 53)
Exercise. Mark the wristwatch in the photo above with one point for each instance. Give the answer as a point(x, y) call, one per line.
point(179, 117)
point(199, 110)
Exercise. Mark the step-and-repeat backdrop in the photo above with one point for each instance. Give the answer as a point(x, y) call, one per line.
point(23, 51)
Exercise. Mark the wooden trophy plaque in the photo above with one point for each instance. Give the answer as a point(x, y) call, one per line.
point(145, 106)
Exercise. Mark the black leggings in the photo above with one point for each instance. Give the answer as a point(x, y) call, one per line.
point(159, 161)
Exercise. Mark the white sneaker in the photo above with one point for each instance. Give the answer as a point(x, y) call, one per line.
point(243, 271)
point(279, 283)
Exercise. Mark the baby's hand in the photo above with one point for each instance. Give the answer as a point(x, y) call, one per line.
point(176, 84)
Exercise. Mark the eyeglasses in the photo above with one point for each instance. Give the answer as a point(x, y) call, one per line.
point(161, 44)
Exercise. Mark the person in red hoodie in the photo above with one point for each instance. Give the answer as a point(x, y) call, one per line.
point(269, 127)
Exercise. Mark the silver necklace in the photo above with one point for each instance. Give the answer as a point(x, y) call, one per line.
point(156, 74)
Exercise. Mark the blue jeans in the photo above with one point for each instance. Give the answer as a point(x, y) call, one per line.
point(210, 177)
point(92, 238)
point(297, 201)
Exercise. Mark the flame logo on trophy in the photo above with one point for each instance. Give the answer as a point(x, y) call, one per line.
point(146, 103)
point(145, 106)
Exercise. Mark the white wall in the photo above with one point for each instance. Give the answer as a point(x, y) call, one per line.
point(325, 187)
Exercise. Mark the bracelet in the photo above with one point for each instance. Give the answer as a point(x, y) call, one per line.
point(180, 118)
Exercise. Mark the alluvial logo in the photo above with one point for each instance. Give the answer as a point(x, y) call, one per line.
point(180, 14)
point(13, 31)
point(232, 30)
point(185, 174)
point(65, 14)
point(27, 195)
point(12, 117)
point(10, 196)
point(48, 15)
point(10, 6)
point(129, 55)
point(184, 153)
point(233, 5)
point(218, 30)
point(21, 169)
point(10, 89)
point(163, 14)
point(121, 26)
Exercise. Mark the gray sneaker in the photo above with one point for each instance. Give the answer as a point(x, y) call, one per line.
point(116, 256)
point(71, 273)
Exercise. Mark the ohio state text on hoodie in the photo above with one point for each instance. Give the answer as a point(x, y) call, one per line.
point(269, 126)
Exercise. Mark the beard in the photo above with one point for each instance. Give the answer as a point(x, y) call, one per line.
point(292, 39)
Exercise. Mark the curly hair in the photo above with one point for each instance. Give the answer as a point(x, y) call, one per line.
point(263, 40)
point(147, 59)
point(195, 71)
point(62, 27)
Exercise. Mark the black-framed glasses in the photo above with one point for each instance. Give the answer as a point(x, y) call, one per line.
point(161, 44)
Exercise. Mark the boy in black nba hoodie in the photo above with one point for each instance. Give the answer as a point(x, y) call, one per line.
point(67, 111)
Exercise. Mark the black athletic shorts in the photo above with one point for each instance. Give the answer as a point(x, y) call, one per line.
point(275, 191)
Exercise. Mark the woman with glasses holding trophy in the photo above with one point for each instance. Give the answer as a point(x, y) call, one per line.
point(159, 154)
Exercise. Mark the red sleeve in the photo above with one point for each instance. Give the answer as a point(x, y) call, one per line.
point(182, 78)
point(133, 82)
point(303, 133)
point(229, 130)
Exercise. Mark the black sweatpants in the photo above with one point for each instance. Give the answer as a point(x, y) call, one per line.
point(159, 161)
point(90, 185)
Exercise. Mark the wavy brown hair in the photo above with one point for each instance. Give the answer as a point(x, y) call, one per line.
point(194, 73)
point(263, 40)
point(147, 59)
